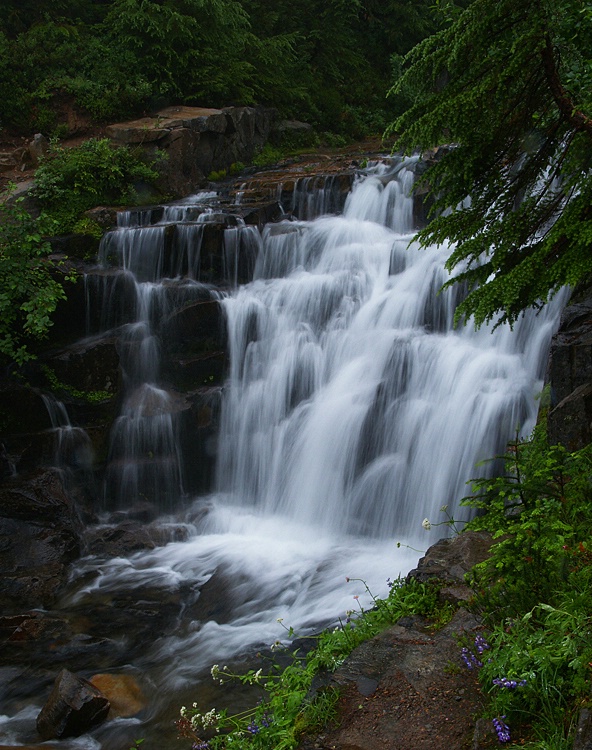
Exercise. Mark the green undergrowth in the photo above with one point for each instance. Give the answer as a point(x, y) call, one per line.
point(533, 593)
point(533, 654)
point(288, 708)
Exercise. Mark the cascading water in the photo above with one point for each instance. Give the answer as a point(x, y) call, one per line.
point(353, 409)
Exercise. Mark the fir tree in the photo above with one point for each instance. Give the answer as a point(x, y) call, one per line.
point(507, 85)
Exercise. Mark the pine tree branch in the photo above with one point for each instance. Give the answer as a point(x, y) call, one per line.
point(574, 116)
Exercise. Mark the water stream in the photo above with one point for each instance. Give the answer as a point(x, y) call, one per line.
point(353, 410)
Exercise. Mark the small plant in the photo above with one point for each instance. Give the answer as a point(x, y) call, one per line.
point(450, 521)
point(533, 592)
point(221, 174)
point(92, 397)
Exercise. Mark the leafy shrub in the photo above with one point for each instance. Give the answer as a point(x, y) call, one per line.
point(534, 591)
point(537, 509)
point(72, 180)
point(29, 293)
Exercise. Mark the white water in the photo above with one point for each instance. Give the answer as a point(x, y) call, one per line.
point(353, 411)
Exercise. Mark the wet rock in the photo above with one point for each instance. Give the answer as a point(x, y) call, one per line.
point(128, 537)
point(22, 410)
point(196, 141)
point(450, 559)
point(583, 738)
point(40, 533)
point(199, 431)
point(123, 693)
point(196, 328)
point(405, 669)
point(74, 707)
point(570, 376)
point(89, 367)
point(104, 216)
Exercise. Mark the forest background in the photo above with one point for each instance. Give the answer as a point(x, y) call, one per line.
point(328, 62)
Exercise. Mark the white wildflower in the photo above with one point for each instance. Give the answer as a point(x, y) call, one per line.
point(426, 524)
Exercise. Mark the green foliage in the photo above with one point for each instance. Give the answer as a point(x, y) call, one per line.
point(507, 84)
point(73, 180)
point(327, 62)
point(29, 292)
point(91, 397)
point(534, 591)
point(214, 176)
point(537, 509)
point(285, 710)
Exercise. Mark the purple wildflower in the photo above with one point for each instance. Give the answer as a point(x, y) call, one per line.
point(481, 644)
point(506, 682)
point(266, 720)
point(253, 728)
point(200, 746)
point(501, 729)
point(469, 658)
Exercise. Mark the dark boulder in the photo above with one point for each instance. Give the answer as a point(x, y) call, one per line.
point(570, 376)
point(123, 539)
point(40, 534)
point(449, 560)
point(74, 707)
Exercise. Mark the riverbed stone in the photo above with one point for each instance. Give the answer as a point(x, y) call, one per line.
point(74, 707)
point(123, 693)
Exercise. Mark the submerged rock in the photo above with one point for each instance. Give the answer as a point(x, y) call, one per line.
point(122, 691)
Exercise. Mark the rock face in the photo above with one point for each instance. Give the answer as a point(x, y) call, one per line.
point(74, 707)
point(570, 375)
point(196, 141)
point(40, 533)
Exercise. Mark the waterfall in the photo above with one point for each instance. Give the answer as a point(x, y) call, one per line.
point(354, 404)
point(353, 409)
point(72, 449)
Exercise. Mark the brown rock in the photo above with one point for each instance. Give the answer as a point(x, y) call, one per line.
point(74, 707)
point(122, 691)
point(451, 559)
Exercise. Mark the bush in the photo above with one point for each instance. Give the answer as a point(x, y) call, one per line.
point(534, 591)
point(29, 293)
point(73, 180)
